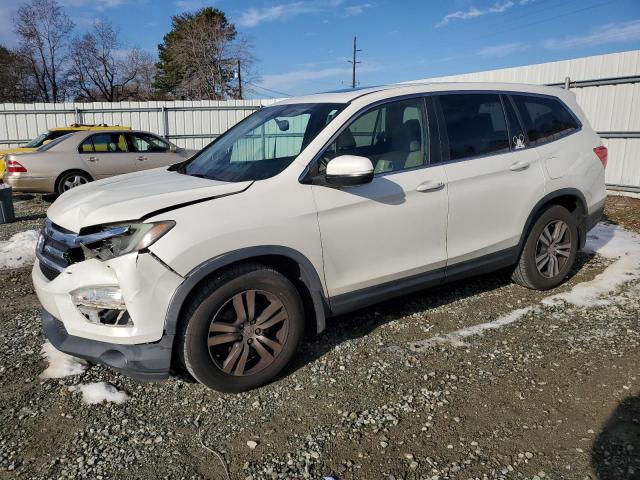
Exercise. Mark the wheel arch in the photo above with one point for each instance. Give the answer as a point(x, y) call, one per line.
point(71, 170)
point(289, 262)
point(570, 198)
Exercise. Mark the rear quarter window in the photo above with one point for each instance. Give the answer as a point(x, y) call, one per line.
point(545, 118)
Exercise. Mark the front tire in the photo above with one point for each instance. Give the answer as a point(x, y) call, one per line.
point(241, 329)
point(550, 250)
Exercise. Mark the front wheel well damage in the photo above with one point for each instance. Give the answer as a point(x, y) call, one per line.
point(288, 267)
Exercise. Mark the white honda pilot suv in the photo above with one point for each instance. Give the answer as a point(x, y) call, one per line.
point(312, 207)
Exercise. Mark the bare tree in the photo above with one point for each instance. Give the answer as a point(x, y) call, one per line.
point(43, 30)
point(199, 57)
point(102, 70)
point(16, 81)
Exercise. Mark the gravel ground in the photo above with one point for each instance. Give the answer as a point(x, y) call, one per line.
point(555, 395)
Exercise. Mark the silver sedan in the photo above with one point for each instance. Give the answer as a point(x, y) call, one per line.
point(79, 158)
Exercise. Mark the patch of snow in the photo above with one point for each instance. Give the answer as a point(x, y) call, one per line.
point(612, 242)
point(19, 250)
point(94, 393)
point(61, 364)
point(605, 239)
point(457, 338)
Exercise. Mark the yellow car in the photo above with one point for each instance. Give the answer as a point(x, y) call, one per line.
point(52, 134)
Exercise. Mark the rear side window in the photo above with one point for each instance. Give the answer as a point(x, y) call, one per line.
point(475, 124)
point(545, 118)
point(105, 143)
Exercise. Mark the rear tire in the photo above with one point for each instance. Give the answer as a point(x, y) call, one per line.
point(241, 328)
point(550, 250)
point(72, 179)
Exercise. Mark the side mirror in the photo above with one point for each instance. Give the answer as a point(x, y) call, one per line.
point(173, 148)
point(348, 170)
point(283, 125)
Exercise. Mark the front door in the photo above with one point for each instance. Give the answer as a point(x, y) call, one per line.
point(152, 152)
point(392, 231)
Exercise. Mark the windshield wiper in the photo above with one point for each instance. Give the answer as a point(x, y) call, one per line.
point(202, 175)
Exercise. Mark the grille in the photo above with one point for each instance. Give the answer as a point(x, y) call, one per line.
point(55, 249)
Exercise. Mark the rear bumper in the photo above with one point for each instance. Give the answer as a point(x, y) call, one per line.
point(148, 361)
point(596, 212)
point(21, 183)
point(595, 215)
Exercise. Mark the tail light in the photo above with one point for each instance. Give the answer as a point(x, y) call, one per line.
point(13, 166)
point(603, 155)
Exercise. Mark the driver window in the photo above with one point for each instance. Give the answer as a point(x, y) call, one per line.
point(143, 142)
point(393, 136)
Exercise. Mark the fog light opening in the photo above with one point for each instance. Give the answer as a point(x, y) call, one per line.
point(114, 318)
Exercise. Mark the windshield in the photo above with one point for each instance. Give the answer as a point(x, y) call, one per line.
point(263, 144)
point(53, 143)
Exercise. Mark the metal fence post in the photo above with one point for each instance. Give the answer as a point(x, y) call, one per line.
point(77, 115)
point(165, 122)
point(567, 82)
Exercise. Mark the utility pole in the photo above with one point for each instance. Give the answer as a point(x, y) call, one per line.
point(354, 63)
point(239, 81)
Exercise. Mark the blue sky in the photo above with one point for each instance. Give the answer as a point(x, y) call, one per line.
point(303, 45)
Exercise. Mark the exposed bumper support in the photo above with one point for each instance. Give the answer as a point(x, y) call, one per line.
point(148, 361)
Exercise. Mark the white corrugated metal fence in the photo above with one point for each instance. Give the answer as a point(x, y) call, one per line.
point(607, 88)
point(189, 124)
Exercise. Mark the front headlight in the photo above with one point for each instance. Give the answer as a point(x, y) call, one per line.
point(119, 239)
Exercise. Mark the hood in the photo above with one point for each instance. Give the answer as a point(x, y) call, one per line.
point(132, 196)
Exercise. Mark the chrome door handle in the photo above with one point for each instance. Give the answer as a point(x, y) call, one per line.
point(93, 159)
point(141, 158)
point(430, 186)
point(519, 166)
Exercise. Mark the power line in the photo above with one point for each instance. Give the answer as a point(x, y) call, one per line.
point(268, 89)
point(543, 20)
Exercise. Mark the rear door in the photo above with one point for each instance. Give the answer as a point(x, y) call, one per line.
point(152, 151)
point(106, 154)
point(494, 179)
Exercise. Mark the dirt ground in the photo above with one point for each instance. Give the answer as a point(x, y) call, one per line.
point(555, 395)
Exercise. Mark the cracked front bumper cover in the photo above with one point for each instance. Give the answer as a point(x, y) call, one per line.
point(148, 361)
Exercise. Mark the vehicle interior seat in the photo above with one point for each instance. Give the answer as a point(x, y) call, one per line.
point(407, 150)
point(346, 143)
point(122, 143)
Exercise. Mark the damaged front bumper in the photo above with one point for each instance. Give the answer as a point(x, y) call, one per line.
point(141, 348)
point(149, 361)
